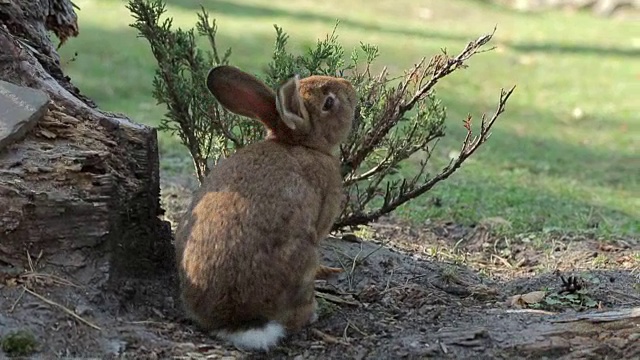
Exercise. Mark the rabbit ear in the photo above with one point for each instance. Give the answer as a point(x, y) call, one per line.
point(243, 94)
point(291, 106)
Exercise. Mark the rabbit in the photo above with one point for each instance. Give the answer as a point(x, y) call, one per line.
point(247, 247)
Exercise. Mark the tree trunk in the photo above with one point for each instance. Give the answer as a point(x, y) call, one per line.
point(79, 188)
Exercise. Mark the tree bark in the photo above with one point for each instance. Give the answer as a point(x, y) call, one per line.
point(80, 190)
point(591, 335)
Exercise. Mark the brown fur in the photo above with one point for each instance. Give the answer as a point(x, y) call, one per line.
point(247, 246)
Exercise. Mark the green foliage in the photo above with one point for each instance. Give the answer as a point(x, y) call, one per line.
point(397, 118)
point(19, 343)
point(203, 126)
point(579, 301)
point(575, 294)
point(563, 160)
point(327, 58)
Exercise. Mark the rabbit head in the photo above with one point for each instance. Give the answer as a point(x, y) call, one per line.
point(316, 111)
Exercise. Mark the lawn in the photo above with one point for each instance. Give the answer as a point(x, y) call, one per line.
point(563, 157)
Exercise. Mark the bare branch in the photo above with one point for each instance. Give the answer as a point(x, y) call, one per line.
point(396, 105)
point(445, 66)
point(470, 145)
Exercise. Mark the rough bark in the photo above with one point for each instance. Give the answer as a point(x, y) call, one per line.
point(584, 336)
point(81, 189)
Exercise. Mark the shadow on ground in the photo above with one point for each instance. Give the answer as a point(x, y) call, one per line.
point(261, 13)
point(392, 301)
point(573, 49)
point(244, 10)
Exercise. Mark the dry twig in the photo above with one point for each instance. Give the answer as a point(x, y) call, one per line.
point(62, 307)
point(408, 189)
point(330, 339)
point(352, 326)
point(397, 104)
point(336, 299)
point(31, 277)
point(15, 303)
point(626, 294)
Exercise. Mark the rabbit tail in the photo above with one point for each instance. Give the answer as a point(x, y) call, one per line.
point(259, 338)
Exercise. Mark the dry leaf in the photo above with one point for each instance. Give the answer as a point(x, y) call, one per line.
point(515, 301)
point(522, 300)
point(534, 297)
point(608, 247)
point(328, 338)
point(624, 259)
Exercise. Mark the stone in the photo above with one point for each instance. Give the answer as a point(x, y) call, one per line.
point(20, 109)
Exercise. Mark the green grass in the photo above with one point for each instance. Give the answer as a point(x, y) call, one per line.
point(543, 168)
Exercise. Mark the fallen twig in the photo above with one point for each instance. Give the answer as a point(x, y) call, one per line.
point(328, 338)
point(631, 296)
point(351, 325)
point(15, 303)
point(147, 322)
point(30, 261)
point(347, 270)
point(42, 276)
point(389, 279)
point(381, 245)
point(336, 299)
point(530, 311)
point(504, 261)
point(62, 307)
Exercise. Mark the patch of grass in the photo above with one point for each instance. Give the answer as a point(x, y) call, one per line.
point(19, 343)
point(563, 157)
point(450, 274)
point(326, 308)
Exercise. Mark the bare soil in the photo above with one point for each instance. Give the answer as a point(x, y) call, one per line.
point(441, 291)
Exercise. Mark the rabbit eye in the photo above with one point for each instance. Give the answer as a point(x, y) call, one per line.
point(328, 103)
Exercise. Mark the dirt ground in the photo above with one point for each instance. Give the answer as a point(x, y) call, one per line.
point(441, 292)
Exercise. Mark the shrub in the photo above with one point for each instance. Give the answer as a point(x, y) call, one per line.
point(396, 118)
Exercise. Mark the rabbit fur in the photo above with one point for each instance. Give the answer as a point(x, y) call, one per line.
point(247, 247)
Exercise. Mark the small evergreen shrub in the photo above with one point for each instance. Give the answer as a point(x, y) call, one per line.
point(397, 117)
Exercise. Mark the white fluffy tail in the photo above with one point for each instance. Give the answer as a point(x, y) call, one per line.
point(262, 338)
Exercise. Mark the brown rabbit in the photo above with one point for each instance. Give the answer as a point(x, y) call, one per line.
point(247, 248)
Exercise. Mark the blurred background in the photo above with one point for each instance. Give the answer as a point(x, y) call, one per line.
point(564, 156)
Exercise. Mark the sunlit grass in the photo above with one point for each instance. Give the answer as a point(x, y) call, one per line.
point(563, 156)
